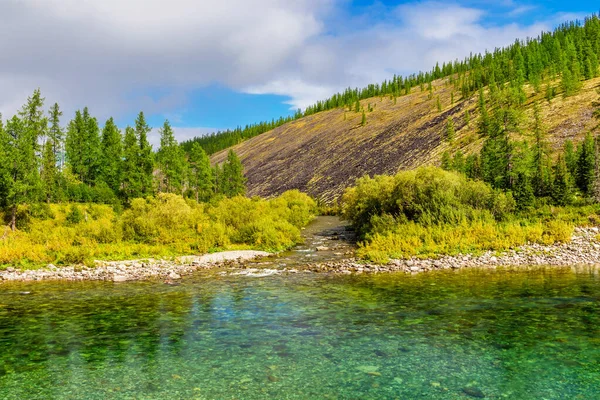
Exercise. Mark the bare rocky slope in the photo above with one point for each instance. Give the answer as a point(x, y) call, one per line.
point(322, 154)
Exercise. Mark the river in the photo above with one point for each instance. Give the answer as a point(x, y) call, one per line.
point(514, 334)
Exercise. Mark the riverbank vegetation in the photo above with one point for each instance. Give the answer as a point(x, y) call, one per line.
point(163, 226)
point(430, 212)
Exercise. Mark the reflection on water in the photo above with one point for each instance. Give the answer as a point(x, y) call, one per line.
point(473, 334)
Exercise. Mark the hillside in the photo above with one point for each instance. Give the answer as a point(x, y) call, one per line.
point(324, 153)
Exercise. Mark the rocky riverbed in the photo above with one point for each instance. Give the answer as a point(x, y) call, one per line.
point(584, 249)
point(122, 271)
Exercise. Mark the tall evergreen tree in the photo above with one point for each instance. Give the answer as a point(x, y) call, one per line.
point(93, 152)
point(234, 182)
point(20, 143)
point(570, 158)
point(586, 166)
point(111, 166)
point(450, 133)
point(446, 162)
point(56, 134)
point(201, 174)
point(131, 172)
point(171, 161)
point(145, 155)
point(561, 188)
point(49, 171)
point(541, 175)
point(75, 146)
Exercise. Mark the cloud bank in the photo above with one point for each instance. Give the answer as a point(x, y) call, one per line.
point(120, 56)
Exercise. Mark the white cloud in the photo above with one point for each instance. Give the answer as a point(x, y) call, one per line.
point(115, 55)
point(182, 134)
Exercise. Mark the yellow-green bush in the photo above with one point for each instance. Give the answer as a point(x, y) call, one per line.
point(167, 225)
point(429, 212)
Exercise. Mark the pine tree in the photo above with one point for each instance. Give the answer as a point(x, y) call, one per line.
point(473, 167)
point(483, 127)
point(438, 104)
point(111, 166)
point(131, 171)
point(357, 106)
point(458, 162)
point(49, 171)
point(523, 191)
point(570, 158)
point(19, 142)
point(450, 131)
point(467, 118)
point(145, 156)
point(561, 188)
point(234, 182)
point(541, 181)
point(171, 161)
point(363, 121)
point(75, 146)
point(446, 161)
point(56, 134)
point(92, 152)
point(596, 112)
point(586, 166)
point(4, 165)
point(83, 147)
point(201, 174)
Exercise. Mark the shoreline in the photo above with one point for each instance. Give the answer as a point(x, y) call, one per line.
point(583, 250)
point(133, 270)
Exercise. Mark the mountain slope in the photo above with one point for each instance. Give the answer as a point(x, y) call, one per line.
point(322, 154)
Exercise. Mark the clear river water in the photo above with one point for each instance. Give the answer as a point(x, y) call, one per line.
point(514, 334)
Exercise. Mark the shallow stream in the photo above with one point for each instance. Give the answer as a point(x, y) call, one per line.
point(528, 334)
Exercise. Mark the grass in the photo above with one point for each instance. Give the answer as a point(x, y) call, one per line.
point(165, 226)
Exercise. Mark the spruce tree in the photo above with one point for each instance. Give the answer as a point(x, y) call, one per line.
point(171, 161)
point(19, 143)
point(473, 167)
point(56, 134)
point(586, 166)
point(438, 104)
point(49, 171)
point(75, 146)
point(234, 182)
point(570, 158)
point(523, 191)
point(541, 182)
point(201, 174)
point(450, 133)
point(596, 111)
point(131, 172)
point(92, 150)
point(4, 165)
point(363, 121)
point(145, 156)
point(446, 162)
point(458, 162)
point(561, 188)
point(111, 166)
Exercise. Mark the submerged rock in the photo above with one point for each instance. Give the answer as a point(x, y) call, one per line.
point(473, 392)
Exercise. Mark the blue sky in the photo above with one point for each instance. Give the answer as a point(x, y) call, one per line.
point(215, 65)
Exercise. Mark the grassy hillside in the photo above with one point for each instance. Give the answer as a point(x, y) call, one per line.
point(322, 154)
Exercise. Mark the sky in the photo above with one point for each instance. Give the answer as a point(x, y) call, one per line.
point(211, 65)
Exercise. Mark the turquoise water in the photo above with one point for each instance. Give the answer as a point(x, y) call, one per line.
point(474, 334)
